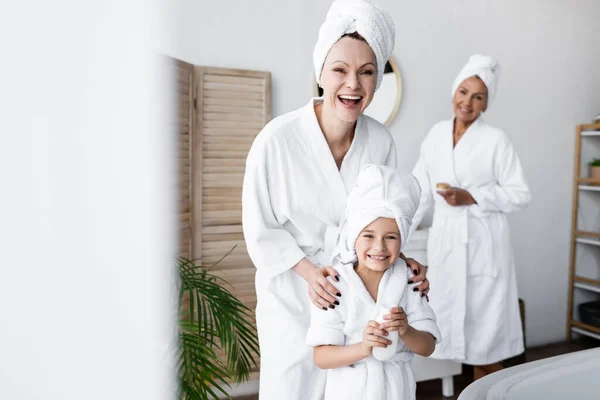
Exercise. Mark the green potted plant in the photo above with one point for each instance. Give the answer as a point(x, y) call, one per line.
point(595, 169)
point(211, 319)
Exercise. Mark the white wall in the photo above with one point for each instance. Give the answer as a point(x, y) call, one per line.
point(86, 231)
point(549, 55)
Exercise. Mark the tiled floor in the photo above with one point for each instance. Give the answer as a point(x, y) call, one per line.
point(432, 390)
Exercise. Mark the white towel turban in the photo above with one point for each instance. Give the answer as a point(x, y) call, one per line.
point(379, 191)
point(484, 67)
point(348, 16)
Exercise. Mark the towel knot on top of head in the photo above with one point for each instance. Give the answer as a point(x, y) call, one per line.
point(379, 192)
point(371, 22)
point(486, 68)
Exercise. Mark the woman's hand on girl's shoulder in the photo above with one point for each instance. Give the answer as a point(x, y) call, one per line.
point(420, 275)
point(320, 291)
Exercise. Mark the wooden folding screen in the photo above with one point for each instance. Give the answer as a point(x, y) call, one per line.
point(220, 112)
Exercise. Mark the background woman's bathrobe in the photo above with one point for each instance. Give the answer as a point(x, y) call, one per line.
point(472, 273)
point(292, 201)
point(370, 379)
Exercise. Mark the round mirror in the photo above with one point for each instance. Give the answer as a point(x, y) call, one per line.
point(386, 101)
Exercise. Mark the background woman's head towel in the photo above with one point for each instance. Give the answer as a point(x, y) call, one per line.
point(379, 192)
point(486, 68)
point(348, 16)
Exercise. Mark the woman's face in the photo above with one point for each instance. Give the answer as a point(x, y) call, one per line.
point(349, 78)
point(470, 99)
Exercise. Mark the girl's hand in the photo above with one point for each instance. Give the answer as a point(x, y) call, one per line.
point(396, 321)
point(373, 337)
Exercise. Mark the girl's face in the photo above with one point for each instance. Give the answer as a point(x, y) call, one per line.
point(470, 99)
point(378, 245)
point(349, 78)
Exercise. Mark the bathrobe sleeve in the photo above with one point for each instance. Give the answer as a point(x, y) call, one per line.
point(419, 314)
point(510, 192)
point(272, 249)
point(420, 172)
point(392, 157)
point(325, 327)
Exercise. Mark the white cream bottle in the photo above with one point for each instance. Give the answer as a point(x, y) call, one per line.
point(381, 353)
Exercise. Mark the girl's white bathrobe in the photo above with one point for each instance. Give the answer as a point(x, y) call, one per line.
point(370, 379)
point(293, 198)
point(471, 267)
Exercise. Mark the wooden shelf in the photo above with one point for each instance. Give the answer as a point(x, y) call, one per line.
point(581, 237)
point(592, 242)
point(587, 327)
point(581, 279)
point(590, 188)
point(587, 286)
point(585, 333)
point(588, 234)
point(590, 181)
point(585, 128)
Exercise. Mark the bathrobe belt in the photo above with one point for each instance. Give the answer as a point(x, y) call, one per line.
point(376, 375)
point(460, 216)
point(332, 234)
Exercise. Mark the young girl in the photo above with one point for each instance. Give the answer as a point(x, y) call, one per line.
point(351, 339)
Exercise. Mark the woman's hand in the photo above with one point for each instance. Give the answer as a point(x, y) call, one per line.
point(373, 337)
point(457, 197)
point(420, 272)
point(395, 321)
point(321, 292)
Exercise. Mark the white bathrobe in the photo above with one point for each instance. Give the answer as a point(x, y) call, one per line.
point(370, 379)
point(471, 268)
point(293, 199)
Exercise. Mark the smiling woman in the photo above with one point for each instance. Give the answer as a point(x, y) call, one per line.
point(348, 79)
point(472, 175)
point(386, 100)
point(299, 172)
